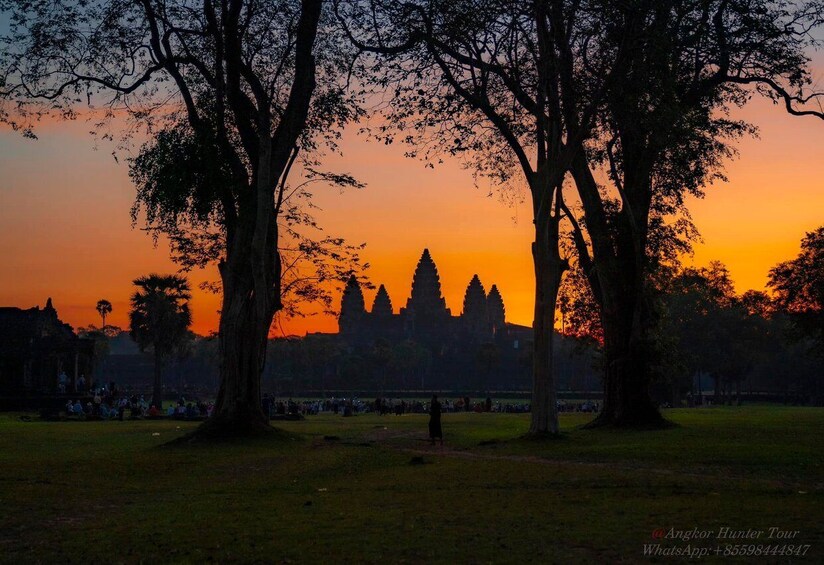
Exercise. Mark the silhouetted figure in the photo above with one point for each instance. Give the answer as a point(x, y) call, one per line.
point(266, 405)
point(62, 382)
point(435, 430)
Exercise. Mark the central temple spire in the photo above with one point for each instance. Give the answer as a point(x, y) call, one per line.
point(475, 316)
point(426, 300)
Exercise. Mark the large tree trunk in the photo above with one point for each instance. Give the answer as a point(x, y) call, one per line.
point(549, 267)
point(625, 322)
point(252, 269)
point(251, 294)
point(242, 346)
point(617, 274)
point(627, 402)
point(242, 339)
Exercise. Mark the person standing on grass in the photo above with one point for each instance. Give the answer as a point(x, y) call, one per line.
point(435, 430)
point(62, 382)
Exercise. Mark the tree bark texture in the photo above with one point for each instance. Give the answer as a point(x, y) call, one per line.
point(549, 268)
point(617, 276)
point(251, 270)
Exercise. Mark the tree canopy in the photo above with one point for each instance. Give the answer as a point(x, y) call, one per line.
point(104, 308)
point(631, 99)
point(799, 288)
point(233, 94)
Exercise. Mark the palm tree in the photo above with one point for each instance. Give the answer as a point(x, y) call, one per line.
point(159, 319)
point(104, 308)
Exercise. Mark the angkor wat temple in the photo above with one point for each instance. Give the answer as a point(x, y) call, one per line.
point(479, 340)
point(426, 318)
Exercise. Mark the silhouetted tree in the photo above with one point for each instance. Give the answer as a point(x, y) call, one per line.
point(104, 308)
point(354, 371)
point(101, 342)
point(799, 296)
point(677, 67)
point(716, 332)
point(799, 288)
point(634, 93)
point(235, 92)
point(311, 358)
point(159, 319)
point(481, 80)
point(581, 316)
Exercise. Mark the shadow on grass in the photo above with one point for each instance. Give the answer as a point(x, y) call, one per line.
point(208, 435)
point(662, 426)
point(649, 422)
point(541, 437)
point(545, 438)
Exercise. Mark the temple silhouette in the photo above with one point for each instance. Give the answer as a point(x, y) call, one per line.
point(420, 346)
point(474, 350)
point(426, 318)
point(35, 347)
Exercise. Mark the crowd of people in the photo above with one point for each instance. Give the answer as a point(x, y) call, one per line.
point(586, 406)
point(280, 409)
point(65, 385)
point(465, 404)
point(107, 403)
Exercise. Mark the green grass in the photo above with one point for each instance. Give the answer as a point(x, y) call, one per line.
point(110, 491)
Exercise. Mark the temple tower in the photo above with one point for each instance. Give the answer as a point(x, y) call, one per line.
point(426, 311)
point(496, 310)
point(382, 306)
point(352, 309)
point(475, 316)
point(49, 309)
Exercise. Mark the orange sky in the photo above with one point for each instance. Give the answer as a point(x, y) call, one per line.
point(65, 229)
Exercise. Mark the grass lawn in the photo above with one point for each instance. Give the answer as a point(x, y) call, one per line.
point(370, 489)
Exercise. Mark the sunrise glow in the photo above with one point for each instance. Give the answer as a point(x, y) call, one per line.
point(65, 228)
